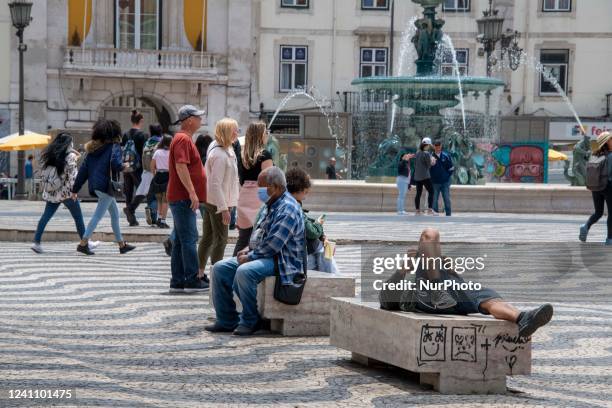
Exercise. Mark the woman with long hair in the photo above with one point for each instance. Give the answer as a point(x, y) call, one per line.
point(102, 163)
point(254, 159)
point(222, 189)
point(604, 197)
point(202, 143)
point(160, 168)
point(59, 171)
point(133, 142)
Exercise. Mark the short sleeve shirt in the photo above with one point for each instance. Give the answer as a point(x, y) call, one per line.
point(161, 157)
point(183, 150)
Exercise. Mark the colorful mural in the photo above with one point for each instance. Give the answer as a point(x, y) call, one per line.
point(517, 162)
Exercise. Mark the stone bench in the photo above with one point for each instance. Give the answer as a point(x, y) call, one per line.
point(455, 354)
point(311, 316)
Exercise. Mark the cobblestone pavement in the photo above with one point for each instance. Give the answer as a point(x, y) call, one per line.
point(356, 227)
point(105, 326)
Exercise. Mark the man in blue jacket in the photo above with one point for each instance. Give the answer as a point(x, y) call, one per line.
point(441, 174)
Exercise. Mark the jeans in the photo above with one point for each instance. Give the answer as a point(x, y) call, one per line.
point(105, 203)
point(184, 261)
point(419, 190)
point(229, 277)
point(50, 208)
point(601, 198)
point(233, 216)
point(214, 237)
point(403, 185)
point(443, 188)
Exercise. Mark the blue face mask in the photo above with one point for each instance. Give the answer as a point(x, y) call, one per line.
point(262, 193)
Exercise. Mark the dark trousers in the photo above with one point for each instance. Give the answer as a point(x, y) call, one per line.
point(50, 208)
point(131, 181)
point(244, 235)
point(419, 190)
point(600, 199)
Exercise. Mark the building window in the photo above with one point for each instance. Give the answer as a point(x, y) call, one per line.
point(456, 5)
point(295, 3)
point(137, 24)
point(375, 4)
point(463, 61)
point(557, 5)
point(293, 67)
point(373, 62)
point(555, 63)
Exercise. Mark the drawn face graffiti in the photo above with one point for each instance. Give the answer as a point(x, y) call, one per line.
point(433, 340)
point(527, 164)
point(463, 344)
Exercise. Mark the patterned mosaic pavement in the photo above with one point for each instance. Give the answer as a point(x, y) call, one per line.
point(106, 327)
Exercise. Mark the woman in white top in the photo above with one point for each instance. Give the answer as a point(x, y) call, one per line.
point(222, 188)
point(160, 169)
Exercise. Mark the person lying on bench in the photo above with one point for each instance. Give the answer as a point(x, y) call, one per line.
point(278, 233)
point(485, 301)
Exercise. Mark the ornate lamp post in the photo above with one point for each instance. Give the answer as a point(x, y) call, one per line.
point(20, 16)
point(490, 32)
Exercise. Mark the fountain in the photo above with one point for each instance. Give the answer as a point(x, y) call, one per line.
point(426, 94)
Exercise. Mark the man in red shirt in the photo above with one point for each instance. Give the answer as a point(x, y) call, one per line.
point(186, 190)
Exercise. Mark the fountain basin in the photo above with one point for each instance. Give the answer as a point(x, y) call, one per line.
point(427, 94)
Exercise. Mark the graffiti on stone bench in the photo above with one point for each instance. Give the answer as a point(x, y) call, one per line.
point(463, 344)
point(433, 343)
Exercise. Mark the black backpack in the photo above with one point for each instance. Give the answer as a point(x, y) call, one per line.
point(597, 173)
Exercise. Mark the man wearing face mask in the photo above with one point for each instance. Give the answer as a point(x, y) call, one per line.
point(278, 233)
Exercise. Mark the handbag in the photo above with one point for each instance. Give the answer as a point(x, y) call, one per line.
point(289, 294)
point(115, 188)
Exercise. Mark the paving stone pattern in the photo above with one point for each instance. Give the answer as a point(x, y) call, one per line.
point(105, 326)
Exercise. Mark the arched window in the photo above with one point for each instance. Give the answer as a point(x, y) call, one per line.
point(137, 24)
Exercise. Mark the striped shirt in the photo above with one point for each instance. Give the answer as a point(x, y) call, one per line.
point(282, 234)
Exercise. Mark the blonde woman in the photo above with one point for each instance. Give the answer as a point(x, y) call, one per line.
point(254, 159)
point(222, 189)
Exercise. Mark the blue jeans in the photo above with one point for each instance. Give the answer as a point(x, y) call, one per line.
point(184, 261)
point(232, 216)
point(105, 203)
point(443, 188)
point(50, 208)
point(228, 277)
point(172, 235)
point(403, 185)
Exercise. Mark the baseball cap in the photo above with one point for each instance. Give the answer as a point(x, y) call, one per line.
point(187, 111)
point(426, 141)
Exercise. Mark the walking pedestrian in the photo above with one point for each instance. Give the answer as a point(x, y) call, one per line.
point(186, 190)
point(422, 177)
point(142, 192)
point(254, 159)
point(133, 145)
point(441, 174)
point(59, 171)
point(160, 168)
point(604, 197)
point(403, 182)
point(222, 189)
point(29, 175)
point(330, 170)
point(99, 169)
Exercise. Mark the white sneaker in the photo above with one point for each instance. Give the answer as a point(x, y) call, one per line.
point(37, 248)
point(402, 213)
point(93, 244)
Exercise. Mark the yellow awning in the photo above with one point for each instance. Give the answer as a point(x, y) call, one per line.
point(29, 141)
point(554, 155)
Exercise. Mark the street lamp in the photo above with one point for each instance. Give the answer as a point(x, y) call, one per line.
point(20, 16)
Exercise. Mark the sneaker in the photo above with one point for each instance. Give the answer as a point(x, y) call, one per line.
point(148, 216)
point(442, 300)
point(532, 320)
point(168, 247)
point(584, 232)
point(126, 248)
point(199, 286)
point(417, 212)
point(402, 213)
point(37, 248)
point(93, 244)
point(162, 224)
point(435, 213)
point(232, 227)
point(216, 328)
point(249, 331)
point(205, 279)
point(84, 249)
point(430, 211)
point(177, 289)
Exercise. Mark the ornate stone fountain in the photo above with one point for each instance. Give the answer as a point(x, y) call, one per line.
point(426, 93)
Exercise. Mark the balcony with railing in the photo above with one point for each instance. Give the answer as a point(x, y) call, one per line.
point(146, 63)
